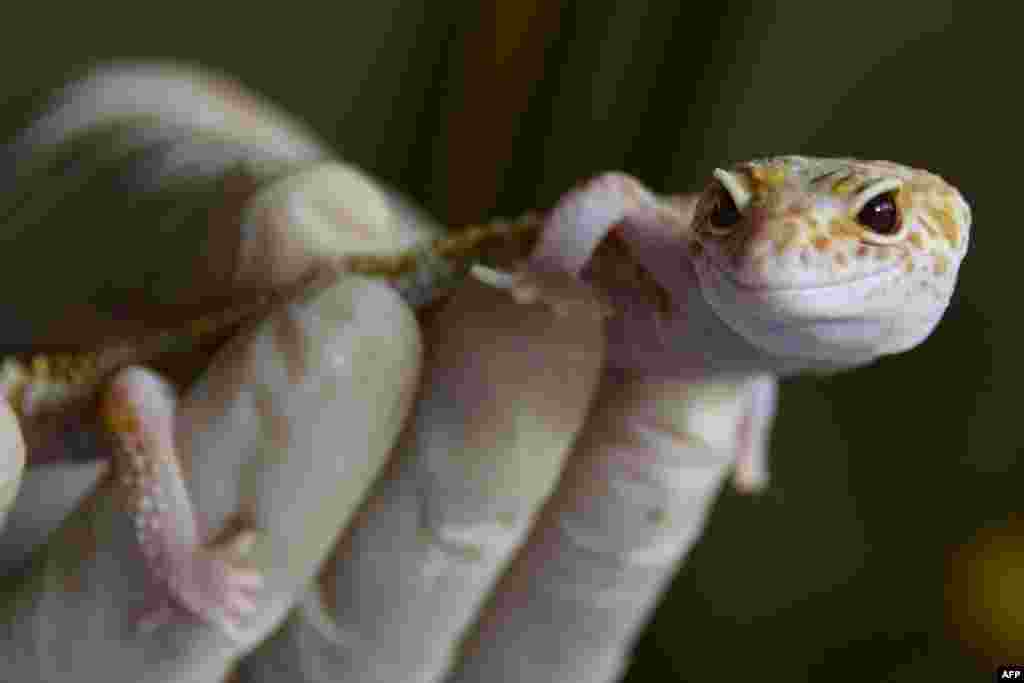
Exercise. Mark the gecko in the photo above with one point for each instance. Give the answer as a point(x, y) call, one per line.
point(781, 265)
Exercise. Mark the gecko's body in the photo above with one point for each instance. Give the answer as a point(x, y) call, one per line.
point(804, 230)
point(782, 265)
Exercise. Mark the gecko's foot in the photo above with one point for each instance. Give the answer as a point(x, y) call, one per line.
point(750, 473)
point(527, 286)
point(192, 581)
point(208, 585)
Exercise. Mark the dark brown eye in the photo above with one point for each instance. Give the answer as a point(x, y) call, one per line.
point(881, 215)
point(725, 214)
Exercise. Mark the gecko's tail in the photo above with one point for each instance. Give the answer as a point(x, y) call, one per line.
point(425, 273)
point(45, 382)
point(497, 244)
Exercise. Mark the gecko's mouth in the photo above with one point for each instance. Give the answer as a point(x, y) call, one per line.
point(766, 286)
point(848, 322)
point(786, 301)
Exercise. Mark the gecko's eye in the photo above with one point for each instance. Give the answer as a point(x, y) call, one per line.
point(723, 203)
point(725, 214)
point(881, 215)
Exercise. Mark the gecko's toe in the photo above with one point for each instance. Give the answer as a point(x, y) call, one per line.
point(207, 587)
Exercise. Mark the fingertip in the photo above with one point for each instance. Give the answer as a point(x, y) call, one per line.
point(314, 219)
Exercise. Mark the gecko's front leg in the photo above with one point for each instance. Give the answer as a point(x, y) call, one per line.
point(191, 579)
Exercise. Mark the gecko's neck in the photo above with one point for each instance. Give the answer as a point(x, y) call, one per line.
point(691, 344)
point(689, 341)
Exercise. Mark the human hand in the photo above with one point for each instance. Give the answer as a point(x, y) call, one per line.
point(507, 390)
point(282, 433)
point(533, 511)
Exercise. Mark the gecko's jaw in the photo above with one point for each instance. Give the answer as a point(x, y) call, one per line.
point(849, 322)
point(807, 299)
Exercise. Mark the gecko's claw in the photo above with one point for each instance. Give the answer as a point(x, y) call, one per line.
point(213, 587)
point(528, 286)
point(205, 586)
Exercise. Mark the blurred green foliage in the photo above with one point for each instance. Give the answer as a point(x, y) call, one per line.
point(839, 572)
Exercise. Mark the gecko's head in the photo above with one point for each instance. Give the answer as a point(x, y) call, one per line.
point(833, 260)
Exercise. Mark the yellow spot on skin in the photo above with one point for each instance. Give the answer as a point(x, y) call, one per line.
point(769, 176)
point(916, 239)
point(844, 227)
point(40, 366)
point(845, 186)
point(120, 419)
point(784, 236)
point(822, 243)
point(908, 265)
point(949, 227)
point(903, 200)
point(941, 264)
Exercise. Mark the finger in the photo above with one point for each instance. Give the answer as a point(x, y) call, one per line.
point(630, 504)
point(635, 491)
point(132, 170)
point(326, 387)
point(12, 460)
point(506, 389)
point(197, 198)
point(173, 192)
point(284, 435)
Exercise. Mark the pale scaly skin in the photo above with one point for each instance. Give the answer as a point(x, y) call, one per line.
point(795, 283)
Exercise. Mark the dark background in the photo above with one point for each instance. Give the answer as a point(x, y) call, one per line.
point(889, 547)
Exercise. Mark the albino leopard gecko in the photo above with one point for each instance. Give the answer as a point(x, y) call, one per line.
point(789, 264)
